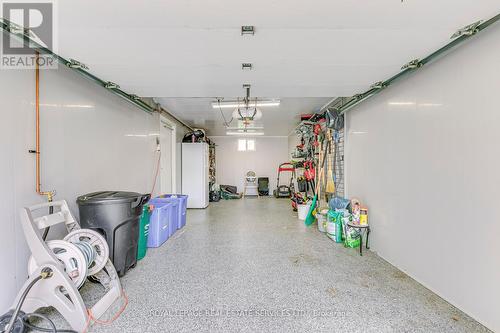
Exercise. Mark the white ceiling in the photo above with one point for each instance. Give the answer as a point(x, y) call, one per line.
point(277, 121)
point(193, 48)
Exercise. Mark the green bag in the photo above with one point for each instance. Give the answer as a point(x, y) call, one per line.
point(142, 245)
point(334, 226)
point(352, 236)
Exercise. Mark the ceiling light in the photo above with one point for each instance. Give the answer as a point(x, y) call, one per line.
point(244, 133)
point(246, 66)
point(241, 104)
point(247, 30)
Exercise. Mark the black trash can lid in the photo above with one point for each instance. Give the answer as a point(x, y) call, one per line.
point(104, 197)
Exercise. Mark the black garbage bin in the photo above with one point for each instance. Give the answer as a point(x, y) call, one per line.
point(116, 216)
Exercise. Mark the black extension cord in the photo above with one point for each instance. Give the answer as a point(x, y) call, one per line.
point(16, 321)
point(22, 323)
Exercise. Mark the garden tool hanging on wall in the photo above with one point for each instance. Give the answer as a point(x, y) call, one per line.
point(330, 182)
point(310, 175)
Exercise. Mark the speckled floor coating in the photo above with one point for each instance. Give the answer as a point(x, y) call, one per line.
point(251, 266)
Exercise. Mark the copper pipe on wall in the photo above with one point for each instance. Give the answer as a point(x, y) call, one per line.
point(49, 194)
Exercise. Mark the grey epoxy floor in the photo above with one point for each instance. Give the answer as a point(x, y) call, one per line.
point(251, 266)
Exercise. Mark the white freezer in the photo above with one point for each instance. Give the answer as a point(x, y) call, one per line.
point(195, 174)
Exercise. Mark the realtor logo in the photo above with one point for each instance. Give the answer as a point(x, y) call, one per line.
point(35, 19)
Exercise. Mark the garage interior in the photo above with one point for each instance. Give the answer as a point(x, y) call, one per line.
point(227, 166)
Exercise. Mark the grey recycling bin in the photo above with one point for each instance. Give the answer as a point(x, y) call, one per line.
point(116, 216)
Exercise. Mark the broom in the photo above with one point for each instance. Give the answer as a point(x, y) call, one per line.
point(310, 218)
point(330, 183)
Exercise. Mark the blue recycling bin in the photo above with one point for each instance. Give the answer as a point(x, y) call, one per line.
point(163, 221)
point(182, 207)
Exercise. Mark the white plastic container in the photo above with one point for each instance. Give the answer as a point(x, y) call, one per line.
point(330, 229)
point(321, 222)
point(303, 210)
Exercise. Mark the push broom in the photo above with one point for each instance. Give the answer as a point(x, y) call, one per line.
point(330, 184)
point(310, 218)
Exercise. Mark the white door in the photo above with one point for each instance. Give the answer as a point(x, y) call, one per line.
point(167, 161)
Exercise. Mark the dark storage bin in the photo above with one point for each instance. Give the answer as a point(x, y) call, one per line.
point(263, 185)
point(116, 215)
point(302, 185)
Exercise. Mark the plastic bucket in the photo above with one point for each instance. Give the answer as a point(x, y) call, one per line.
point(321, 222)
point(331, 229)
point(303, 209)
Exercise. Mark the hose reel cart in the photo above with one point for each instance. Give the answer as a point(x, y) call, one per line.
point(65, 264)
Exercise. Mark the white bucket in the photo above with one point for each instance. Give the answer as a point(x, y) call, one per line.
point(303, 210)
point(330, 229)
point(321, 222)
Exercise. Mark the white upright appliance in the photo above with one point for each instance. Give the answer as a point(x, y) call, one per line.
point(195, 174)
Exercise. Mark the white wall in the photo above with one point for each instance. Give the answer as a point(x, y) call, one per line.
point(423, 156)
point(232, 164)
point(91, 140)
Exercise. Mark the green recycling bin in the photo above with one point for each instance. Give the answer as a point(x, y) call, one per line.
point(142, 247)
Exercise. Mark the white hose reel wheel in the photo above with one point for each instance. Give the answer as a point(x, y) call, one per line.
point(71, 257)
point(97, 241)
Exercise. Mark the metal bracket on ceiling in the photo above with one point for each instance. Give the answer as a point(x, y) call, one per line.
point(415, 63)
point(27, 37)
point(76, 64)
point(460, 36)
point(379, 85)
point(111, 85)
point(468, 30)
point(13, 27)
point(136, 98)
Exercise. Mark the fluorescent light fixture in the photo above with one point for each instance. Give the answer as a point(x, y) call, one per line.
point(241, 104)
point(236, 133)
